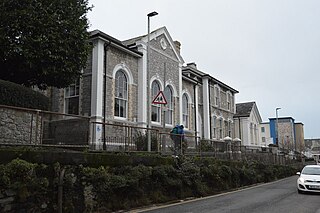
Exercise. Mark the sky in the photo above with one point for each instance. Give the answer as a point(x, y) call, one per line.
point(268, 50)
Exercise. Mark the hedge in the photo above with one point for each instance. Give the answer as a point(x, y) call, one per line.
point(12, 94)
point(107, 189)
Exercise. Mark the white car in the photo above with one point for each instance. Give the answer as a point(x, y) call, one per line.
point(309, 180)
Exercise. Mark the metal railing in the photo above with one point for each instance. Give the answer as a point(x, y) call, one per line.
point(119, 137)
point(20, 126)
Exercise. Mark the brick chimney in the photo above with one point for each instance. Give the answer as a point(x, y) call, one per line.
point(178, 46)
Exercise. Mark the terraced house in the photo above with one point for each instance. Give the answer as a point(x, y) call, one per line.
point(114, 89)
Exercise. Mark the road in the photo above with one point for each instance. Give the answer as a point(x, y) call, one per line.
point(277, 197)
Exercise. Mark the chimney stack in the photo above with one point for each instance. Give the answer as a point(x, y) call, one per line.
point(178, 46)
point(192, 64)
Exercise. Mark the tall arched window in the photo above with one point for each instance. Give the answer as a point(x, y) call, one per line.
point(185, 111)
point(121, 94)
point(169, 98)
point(155, 111)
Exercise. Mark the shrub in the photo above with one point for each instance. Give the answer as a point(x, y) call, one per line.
point(141, 141)
point(126, 186)
point(23, 178)
point(12, 94)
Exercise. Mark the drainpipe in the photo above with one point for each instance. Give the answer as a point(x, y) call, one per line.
point(210, 118)
point(239, 128)
point(106, 47)
point(195, 113)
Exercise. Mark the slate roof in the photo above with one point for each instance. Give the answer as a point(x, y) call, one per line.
point(118, 43)
point(244, 109)
point(186, 69)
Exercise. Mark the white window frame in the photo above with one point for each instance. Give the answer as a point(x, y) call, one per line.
point(124, 98)
point(185, 110)
point(157, 107)
point(229, 96)
point(214, 126)
point(230, 128)
point(220, 128)
point(76, 94)
point(217, 99)
point(169, 105)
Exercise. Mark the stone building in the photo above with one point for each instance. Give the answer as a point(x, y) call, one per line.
point(289, 133)
point(213, 103)
point(247, 120)
point(113, 89)
point(299, 130)
point(264, 130)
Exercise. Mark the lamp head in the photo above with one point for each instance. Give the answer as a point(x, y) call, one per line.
point(154, 13)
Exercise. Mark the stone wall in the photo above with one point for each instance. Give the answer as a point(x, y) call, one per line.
point(18, 126)
point(69, 131)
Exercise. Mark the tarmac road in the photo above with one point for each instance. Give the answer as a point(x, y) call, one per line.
point(277, 197)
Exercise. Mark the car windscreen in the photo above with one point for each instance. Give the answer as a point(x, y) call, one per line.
point(311, 171)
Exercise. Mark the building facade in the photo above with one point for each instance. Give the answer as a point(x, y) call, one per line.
point(214, 105)
point(299, 130)
point(266, 138)
point(247, 120)
point(114, 89)
point(290, 134)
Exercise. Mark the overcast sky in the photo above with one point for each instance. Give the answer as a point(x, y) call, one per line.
point(268, 50)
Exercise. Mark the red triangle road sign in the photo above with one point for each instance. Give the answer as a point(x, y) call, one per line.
point(159, 99)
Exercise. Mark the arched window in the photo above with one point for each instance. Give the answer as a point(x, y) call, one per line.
point(155, 111)
point(169, 98)
point(185, 111)
point(121, 94)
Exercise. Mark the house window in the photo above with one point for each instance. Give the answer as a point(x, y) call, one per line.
point(217, 95)
point(263, 139)
point(220, 128)
point(229, 128)
point(156, 108)
point(228, 101)
point(226, 127)
point(263, 129)
point(72, 98)
point(169, 112)
point(185, 111)
point(214, 126)
point(121, 96)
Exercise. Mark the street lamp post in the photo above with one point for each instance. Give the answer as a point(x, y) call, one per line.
point(148, 83)
point(277, 135)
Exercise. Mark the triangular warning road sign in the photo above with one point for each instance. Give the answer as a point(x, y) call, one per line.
point(160, 99)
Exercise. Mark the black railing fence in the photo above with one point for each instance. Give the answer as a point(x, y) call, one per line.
point(20, 126)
